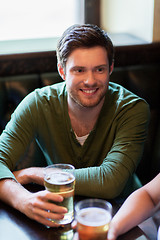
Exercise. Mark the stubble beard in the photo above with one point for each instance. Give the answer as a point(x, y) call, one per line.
point(87, 103)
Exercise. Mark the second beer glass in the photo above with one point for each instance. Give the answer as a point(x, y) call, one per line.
point(93, 217)
point(60, 179)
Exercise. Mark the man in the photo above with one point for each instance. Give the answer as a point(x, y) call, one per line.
point(97, 126)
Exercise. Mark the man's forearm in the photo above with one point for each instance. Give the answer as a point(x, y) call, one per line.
point(36, 206)
point(13, 193)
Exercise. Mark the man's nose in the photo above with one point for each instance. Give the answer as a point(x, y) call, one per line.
point(90, 78)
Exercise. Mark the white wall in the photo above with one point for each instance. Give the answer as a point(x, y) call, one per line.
point(129, 16)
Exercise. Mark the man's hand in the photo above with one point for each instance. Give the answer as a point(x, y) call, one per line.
point(36, 206)
point(28, 175)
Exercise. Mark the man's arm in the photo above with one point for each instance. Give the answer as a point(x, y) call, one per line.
point(115, 175)
point(34, 205)
point(139, 206)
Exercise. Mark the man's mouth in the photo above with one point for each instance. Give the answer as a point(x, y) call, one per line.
point(89, 91)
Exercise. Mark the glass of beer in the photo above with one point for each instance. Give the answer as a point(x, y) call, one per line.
point(60, 179)
point(93, 217)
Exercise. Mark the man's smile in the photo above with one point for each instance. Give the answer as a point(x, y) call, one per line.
point(89, 91)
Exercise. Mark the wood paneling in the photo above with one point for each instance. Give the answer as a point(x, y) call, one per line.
point(43, 62)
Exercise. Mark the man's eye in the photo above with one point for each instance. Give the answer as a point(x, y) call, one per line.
point(78, 70)
point(100, 70)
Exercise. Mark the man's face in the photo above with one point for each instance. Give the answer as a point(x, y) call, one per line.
point(87, 76)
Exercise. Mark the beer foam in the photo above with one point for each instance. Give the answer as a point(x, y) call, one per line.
point(60, 178)
point(93, 216)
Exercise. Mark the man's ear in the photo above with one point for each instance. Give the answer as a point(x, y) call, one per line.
point(111, 68)
point(61, 71)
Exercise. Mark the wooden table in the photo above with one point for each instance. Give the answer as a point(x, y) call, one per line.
point(16, 226)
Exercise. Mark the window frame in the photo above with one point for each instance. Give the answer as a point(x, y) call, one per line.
point(46, 61)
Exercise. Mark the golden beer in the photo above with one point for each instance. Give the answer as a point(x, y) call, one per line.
point(93, 222)
point(62, 183)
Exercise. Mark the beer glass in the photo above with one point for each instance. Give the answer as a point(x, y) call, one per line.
point(93, 217)
point(60, 179)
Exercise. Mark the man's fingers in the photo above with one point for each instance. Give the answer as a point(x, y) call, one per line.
point(48, 214)
point(45, 221)
point(46, 195)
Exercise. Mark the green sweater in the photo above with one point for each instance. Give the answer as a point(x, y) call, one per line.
point(105, 164)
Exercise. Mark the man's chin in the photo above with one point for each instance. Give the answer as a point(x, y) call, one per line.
point(88, 104)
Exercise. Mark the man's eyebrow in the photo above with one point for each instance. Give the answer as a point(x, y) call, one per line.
point(102, 65)
point(78, 67)
point(83, 67)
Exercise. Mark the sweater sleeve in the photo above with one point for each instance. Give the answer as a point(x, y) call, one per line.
point(15, 138)
point(115, 175)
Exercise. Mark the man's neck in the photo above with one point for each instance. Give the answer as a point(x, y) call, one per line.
point(83, 119)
